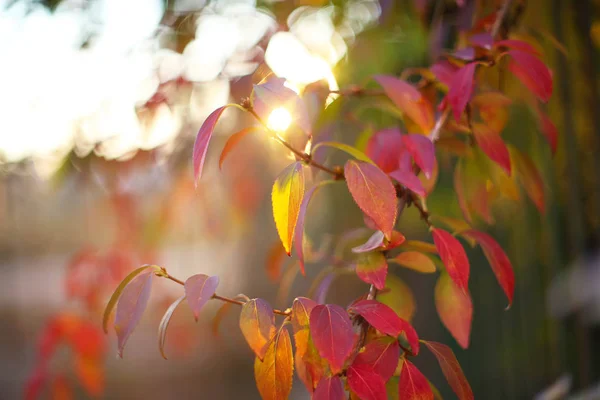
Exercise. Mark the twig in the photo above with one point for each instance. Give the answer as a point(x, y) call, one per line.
point(500, 18)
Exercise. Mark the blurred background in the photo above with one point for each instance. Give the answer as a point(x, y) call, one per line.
point(100, 102)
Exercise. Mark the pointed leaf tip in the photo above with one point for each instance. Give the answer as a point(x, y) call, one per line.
point(413, 385)
point(455, 309)
point(273, 374)
point(202, 141)
point(286, 197)
point(451, 369)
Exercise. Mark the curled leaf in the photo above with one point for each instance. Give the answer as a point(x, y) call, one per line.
point(455, 309)
point(329, 389)
point(374, 242)
point(414, 260)
point(199, 289)
point(451, 369)
point(331, 330)
point(372, 268)
point(413, 384)
point(366, 383)
point(273, 374)
point(257, 324)
point(164, 324)
point(286, 197)
point(453, 256)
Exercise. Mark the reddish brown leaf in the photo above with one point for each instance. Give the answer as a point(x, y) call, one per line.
point(381, 354)
point(329, 389)
point(372, 268)
point(408, 99)
point(199, 289)
point(422, 150)
point(498, 260)
point(532, 72)
point(286, 197)
point(366, 383)
point(202, 141)
point(398, 296)
point(374, 193)
point(275, 261)
point(414, 260)
point(452, 370)
point(413, 384)
point(233, 141)
point(273, 374)
point(257, 323)
point(461, 89)
point(492, 145)
point(408, 179)
point(455, 309)
point(331, 330)
point(453, 256)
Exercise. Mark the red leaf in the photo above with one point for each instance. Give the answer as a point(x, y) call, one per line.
point(451, 369)
point(413, 384)
point(331, 330)
point(199, 289)
point(383, 148)
point(372, 268)
point(396, 240)
point(444, 71)
point(382, 355)
point(492, 144)
point(374, 242)
point(202, 141)
point(366, 383)
point(257, 324)
point(233, 141)
point(533, 73)
point(517, 45)
point(380, 316)
point(131, 306)
point(453, 256)
point(329, 389)
point(374, 193)
point(455, 309)
point(408, 179)
point(461, 89)
point(498, 260)
point(408, 99)
point(549, 130)
point(422, 151)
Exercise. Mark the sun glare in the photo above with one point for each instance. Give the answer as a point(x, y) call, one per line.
point(279, 119)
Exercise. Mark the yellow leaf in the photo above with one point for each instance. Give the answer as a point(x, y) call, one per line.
point(274, 374)
point(286, 197)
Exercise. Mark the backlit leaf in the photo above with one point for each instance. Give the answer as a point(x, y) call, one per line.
point(408, 179)
point(286, 197)
point(164, 324)
point(381, 354)
point(379, 316)
point(453, 256)
point(202, 141)
point(301, 309)
point(454, 308)
point(408, 99)
point(329, 389)
point(331, 330)
point(374, 193)
point(366, 383)
point(398, 296)
point(375, 241)
point(532, 72)
point(451, 369)
point(257, 323)
point(498, 260)
point(530, 178)
point(456, 225)
point(199, 289)
point(310, 367)
point(372, 268)
point(131, 306)
point(413, 384)
point(274, 373)
point(233, 141)
point(383, 148)
point(461, 89)
point(492, 145)
point(353, 151)
point(422, 150)
point(414, 260)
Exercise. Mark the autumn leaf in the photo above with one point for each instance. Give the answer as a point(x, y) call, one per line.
point(353, 151)
point(273, 374)
point(451, 369)
point(202, 141)
point(398, 296)
point(383, 147)
point(375, 241)
point(548, 130)
point(408, 179)
point(90, 374)
point(422, 151)
point(372, 268)
point(381, 354)
point(329, 389)
point(216, 321)
point(533, 73)
point(498, 260)
point(418, 245)
point(131, 306)
point(520, 45)
point(233, 141)
point(301, 309)
point(492, 145)
point(461, 89)
point(257, 324)
point(455, 309)
point(199, 289)
point(414, 260)
point(374, 193)
point(453, 256)
point(61, 389)
point(331, 330)
point(366, 383)
point(530, 178)
point(164, 325)
point(413, 384)
point(483, 40)
point(444, 71)
point(379, 316)
point(286, 197)
point(275, 261)
point(492, 107)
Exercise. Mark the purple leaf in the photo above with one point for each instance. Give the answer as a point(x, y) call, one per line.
point(202, 141)
point(408, 179)
point(199, 289)
point(375, 241)
point(422, 150)
point(461, 89)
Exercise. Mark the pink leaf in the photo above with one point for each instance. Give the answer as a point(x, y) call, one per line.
point(413, 385)
point(517, 45)
point(461, 89)
point(408, 179)
point(452, 370)
point(444, 71)
point(455, 309)
point(492, 145)
point(484, 40)
point(131, 306)
point(498, 260)
point(202, 141)
point(329, 389)
point(331, 330)
point(533, 73)
point(372, 268)
point(374, 242)
point(383, 148)
point(374, 193)
point(382, 355)
point(366, 383)
point(453, 256)
point(422, 150)
point(378, 315)
point(199, 290)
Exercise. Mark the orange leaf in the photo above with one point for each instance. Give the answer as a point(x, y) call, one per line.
point(274, 373)
point(413, 384)
point(418, 245)
point(451, 369)
point(90, 373)
point(455, 309)
point(286, 197)
point(492, 145)
point(414, 260)
point(275, 261)
point(257, 323)
point(61, 389)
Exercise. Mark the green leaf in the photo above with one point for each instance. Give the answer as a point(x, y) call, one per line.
point(353, 151)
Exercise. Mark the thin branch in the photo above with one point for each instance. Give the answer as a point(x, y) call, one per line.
point(502, 14)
